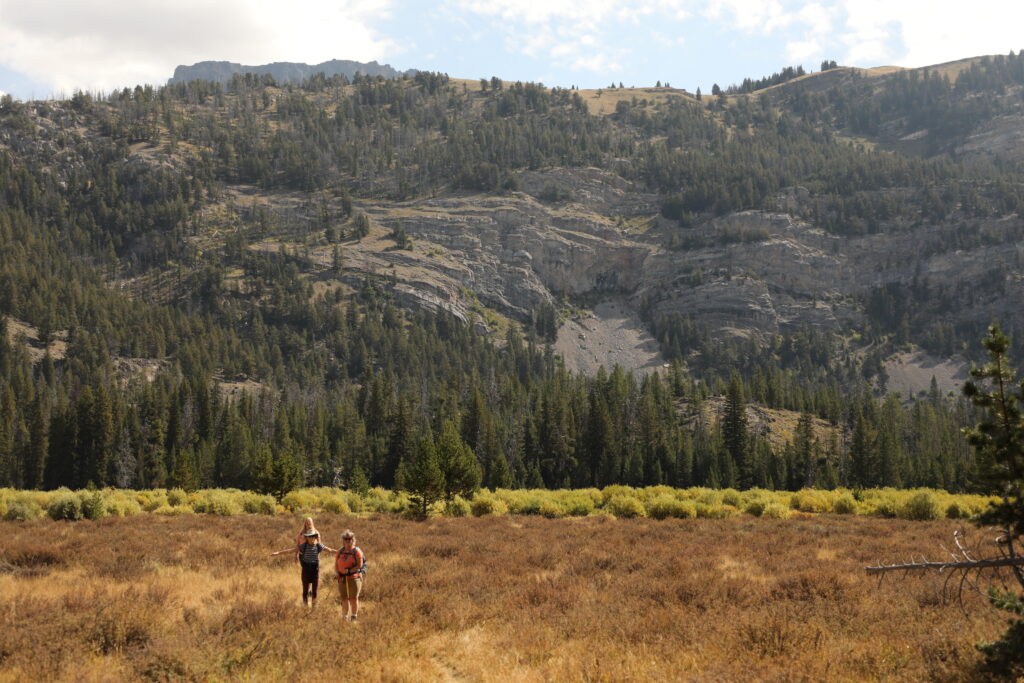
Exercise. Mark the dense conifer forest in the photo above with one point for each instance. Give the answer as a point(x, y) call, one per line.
point(100, 254)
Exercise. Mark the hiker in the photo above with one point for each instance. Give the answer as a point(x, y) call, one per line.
point(308, 554)
point(350, 566)
point(307, 525)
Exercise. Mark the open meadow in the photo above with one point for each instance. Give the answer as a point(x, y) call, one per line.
point(521, 598)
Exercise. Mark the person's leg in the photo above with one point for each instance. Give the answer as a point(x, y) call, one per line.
point(343, 594)
point(315, 583)
point(305, 586)
point(355, 599)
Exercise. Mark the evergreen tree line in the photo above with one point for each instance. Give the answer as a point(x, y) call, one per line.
point(525, 419)
point(750, 85)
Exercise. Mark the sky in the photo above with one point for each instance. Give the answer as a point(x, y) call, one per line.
point(51, 48)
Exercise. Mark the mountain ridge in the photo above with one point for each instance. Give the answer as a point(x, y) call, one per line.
point(282, 72)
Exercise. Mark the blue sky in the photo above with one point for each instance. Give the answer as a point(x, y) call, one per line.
point(53, 47)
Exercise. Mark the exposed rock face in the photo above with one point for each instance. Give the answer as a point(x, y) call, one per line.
point(783, 275)
point(791, 275)
point(516, 253)
point(282, 72)
point(1002, 136)
point(749, 274)
point(600, 191)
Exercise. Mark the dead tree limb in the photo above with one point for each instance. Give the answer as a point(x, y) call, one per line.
point(974, 571)
point(943, 566)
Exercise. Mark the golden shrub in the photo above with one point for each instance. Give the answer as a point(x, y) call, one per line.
point(625, 506)
point(487, 504)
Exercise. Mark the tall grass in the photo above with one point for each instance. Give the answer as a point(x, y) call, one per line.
point(487, 598)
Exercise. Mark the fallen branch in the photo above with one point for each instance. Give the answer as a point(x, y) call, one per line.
point(943, 566)
point(980, 576)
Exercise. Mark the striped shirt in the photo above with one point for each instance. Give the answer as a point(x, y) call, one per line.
point(309, 553)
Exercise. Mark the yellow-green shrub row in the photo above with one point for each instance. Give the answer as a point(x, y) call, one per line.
point(658, 502)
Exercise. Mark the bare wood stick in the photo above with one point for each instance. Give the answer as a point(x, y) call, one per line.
point(1016, 561)
point(958, 538)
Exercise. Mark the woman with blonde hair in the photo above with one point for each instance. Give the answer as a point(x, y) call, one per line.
point(307, 553)
point(307, 526)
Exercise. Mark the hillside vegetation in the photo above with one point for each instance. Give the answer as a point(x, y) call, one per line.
point(617, 501)
point(267, 285)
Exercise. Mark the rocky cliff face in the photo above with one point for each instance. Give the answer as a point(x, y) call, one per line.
point(282, 72)
point(749, 274)
point(515, 253)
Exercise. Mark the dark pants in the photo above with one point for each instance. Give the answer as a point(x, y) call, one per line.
point(310, 581)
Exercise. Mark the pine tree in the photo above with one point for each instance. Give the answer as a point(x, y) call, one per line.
point(600, 458)
point(999, 444)
point(863, 464)
point(804, 448)
point(999, 440)
point(422, 477)
point(734, 431)
point(499, 476)
point(889, 443)
point(276, 473)
point(458, 465)
point(183, 472)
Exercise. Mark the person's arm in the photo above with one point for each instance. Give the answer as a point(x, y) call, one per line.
point(286, 550)
point(330, 550)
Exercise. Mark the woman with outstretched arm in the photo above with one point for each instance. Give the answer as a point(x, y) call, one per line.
point(308, 554)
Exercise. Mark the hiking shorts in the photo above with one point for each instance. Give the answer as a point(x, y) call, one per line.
point(350, 587)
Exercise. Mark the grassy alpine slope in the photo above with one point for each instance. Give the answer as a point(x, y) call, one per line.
point(196, 597)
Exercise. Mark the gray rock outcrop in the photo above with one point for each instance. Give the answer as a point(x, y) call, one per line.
point(283, 72)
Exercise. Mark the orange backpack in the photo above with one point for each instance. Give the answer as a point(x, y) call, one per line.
point(347, 570)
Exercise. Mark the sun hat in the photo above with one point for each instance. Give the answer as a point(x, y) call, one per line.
point(311, 532)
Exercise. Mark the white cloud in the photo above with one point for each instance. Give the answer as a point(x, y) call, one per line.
point(815, 21)
point(104, 44)
point(800, 51)
point(923, 32)
point(572, 33)
point(751, 16)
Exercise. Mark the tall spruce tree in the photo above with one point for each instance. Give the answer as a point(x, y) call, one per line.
point(734, 432)
point(422, 477)
point(999, 443)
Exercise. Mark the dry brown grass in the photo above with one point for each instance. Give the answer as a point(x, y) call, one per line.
point(602, 102)
point(492, 598)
